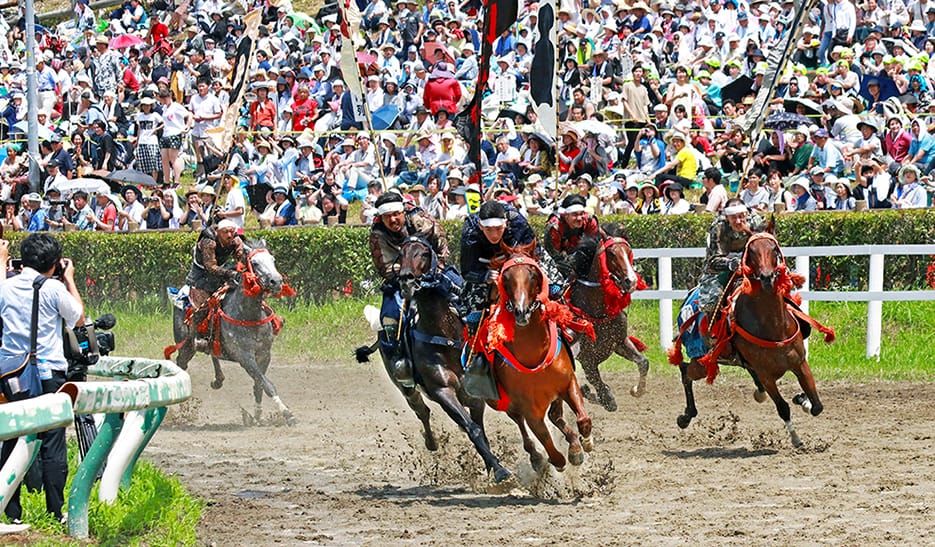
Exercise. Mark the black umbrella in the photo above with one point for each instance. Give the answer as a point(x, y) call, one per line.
point(738, 89)
point(785, 120)
point(512, 114)
point(131, 176)
point(888, 88)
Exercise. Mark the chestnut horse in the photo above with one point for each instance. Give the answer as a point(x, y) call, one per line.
point(533, 365)
point(601, 294)
point(434, 343)
point(766, 333)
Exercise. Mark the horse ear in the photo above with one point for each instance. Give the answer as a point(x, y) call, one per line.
point(771, 225)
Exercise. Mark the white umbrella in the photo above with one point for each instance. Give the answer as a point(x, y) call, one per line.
point(91, 186)
point(44, 133)
point(606, 135)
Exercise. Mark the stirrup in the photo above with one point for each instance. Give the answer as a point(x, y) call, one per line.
point(402, 372)
point(201, 344)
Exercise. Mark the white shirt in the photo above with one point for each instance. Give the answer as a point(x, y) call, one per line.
point(203, 107)
point(55, 304)
point(235, 201)
point(174, 118)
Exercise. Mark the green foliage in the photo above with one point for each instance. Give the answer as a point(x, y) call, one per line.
point(155, 510)
point(321, 263)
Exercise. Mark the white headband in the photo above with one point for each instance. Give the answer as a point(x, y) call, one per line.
point(488, 222)
point(227, 223)
point(576, 208)
point(391, 207)
point(735, 209)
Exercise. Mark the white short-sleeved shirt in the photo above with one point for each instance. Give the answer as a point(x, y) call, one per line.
point(235, 201)
point(203, 107)
point(55, 304)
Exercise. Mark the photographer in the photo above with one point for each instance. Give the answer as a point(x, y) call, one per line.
point(156, 215)
point(55, 213)
point(58, 301)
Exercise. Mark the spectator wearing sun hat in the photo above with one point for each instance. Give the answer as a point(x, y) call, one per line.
point(285, 207)
point(359, 168)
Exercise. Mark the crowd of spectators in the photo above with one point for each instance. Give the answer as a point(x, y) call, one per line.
point(648, 96)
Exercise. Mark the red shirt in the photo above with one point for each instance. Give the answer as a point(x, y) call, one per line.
point(303, 114)
point(898, 148)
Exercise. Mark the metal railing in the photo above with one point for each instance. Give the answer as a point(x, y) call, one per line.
point(874, 296)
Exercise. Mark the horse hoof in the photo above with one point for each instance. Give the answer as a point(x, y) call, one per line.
point(430, 443)
point(589, 394)
point(183, 366)
point(796, 441)
point(636, 391)
point(759, 396)
point(217, 384)
point(816, 409)
point(609, 403)
point(290, 419)
point(683, 421)
point(587, 444)
point(539, 464)
point(501, 474)
point(576, 458)
point(247, 418)
point(560, 469)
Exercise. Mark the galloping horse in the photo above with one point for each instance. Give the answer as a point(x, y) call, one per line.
point(766, 333)
point(241, 326)
point(601, 294)
point(434, 342)
point(533, 366)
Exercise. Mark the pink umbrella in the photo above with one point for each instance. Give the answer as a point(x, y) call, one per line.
point(124, 40)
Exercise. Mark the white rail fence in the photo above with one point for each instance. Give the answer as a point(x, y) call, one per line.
point(874, 297)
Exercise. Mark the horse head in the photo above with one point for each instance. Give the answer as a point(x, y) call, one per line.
point(522, 286)
point(619, 264)
point(261, 268)
point(417, 259)
point(763, 260)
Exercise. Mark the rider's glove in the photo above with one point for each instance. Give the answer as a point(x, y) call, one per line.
point(734, 263)
point(492, 276)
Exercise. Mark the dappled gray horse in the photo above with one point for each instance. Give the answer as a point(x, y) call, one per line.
point(242, 326)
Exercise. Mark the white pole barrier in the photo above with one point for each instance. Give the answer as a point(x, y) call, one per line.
point(126, 445)
point(801, 268)
point(665, 305)
point(875, 308)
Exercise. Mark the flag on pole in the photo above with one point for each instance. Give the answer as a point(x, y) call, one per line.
point(350, 29)
point(542, 70)
point(499, 15)
point(222, 136)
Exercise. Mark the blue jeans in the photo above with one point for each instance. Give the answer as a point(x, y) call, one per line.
point(823, 47)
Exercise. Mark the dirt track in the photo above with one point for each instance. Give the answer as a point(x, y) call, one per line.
point(354, 470)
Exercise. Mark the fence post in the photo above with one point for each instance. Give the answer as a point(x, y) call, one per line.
point(87, 473)
point(665, 305)
point(875, 307)
point(802, 267)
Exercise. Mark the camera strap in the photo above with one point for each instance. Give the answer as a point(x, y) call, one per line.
point(34, 320)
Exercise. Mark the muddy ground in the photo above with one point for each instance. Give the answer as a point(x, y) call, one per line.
point(354, 472)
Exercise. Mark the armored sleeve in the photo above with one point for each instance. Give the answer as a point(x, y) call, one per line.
point(470, 256)
point(552, 242)
point(382, 253)
point(718, 251)
point(434, 233)
point(210, 261)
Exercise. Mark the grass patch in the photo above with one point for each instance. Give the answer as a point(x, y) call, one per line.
point(329, 333)
point(156, 510)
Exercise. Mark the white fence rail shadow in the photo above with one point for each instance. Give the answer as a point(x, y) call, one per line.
point(874, 297)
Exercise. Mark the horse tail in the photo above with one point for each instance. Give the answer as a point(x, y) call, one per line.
point(362, 353)
point(639, 344)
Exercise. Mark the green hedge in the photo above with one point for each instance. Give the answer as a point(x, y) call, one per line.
point(320, 262)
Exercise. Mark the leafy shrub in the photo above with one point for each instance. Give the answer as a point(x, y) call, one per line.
point(323, 262)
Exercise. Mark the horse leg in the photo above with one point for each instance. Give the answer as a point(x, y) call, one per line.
point(574, 399)
point(535, 458)
point(186, 352)
point(219, 375)
point(417, 404)
point(810, 401)
point(782, 407)
point(629, 352)
point(759, 395)
point(690, 372)
point(259, 377)
point(557, 416)
point(605, 396)
point(446, 398)
point(539, 429)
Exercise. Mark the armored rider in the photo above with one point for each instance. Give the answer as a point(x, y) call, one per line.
point(727, 239)
point(218, 248)
point(394, 222)
point(483, 236)
point(565, 229)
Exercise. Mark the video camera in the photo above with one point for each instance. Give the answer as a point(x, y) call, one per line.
point(82, 351)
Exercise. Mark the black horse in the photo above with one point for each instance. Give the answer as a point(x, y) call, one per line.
point(434, 343)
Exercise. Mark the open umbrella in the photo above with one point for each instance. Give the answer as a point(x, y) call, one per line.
point(44, 133)
point(738, 89)
point(384, 117)
point(596, 127)
point(302, 20)
point(257, 195)
point(910, 49)
point(89, 185)
point(364, 58)
point(132, 176)
point(887, 88)
point(785, 120)
point(124, 40)
point(811, 107)
point(511, 114)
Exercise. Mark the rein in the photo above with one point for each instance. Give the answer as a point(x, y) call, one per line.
point(250, 281)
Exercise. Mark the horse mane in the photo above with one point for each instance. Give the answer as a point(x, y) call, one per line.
point(584, 255)
point(252, 244)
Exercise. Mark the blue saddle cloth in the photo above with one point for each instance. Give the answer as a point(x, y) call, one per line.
point(692, 340)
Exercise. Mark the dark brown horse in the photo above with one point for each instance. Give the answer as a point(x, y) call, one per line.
point(533, 365)
point(766, 334)
point(434, 342)
point(601, 294)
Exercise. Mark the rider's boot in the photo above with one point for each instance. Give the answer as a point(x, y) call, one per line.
point(479, 379)
point(399, 366)
point(201, 341)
